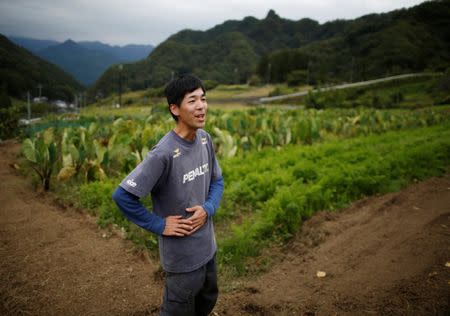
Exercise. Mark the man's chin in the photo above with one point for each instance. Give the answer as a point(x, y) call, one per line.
point(200, 124)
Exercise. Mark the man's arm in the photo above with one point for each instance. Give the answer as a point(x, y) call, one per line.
point(214, 196)
point(133, 209)
point(202, 212)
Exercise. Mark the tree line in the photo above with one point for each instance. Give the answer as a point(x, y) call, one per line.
point(274, 49)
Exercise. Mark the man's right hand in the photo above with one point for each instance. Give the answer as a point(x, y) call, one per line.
point(177, 226)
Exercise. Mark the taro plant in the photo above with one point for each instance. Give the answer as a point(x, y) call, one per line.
point(139, 141)
point(83, 155)
point(41, 153)
point(225, 142)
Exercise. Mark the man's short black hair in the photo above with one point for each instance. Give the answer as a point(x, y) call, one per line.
point(177, 88)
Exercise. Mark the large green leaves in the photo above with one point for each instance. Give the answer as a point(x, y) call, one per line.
point(111, 149)
point(226, 145)
point(29, 150)
point(41, 153)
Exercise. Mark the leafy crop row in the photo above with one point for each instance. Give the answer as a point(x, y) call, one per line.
point(274, 190)
point(97, 150)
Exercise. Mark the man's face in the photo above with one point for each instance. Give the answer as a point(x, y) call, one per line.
point(192, 110)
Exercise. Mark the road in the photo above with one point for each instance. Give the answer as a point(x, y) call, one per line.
point(341, 86)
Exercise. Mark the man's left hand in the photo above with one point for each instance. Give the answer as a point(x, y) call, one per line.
point(198, 219)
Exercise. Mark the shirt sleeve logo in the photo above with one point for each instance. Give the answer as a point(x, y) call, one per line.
point(131, 183)
point(204, 140)
point(177, 153)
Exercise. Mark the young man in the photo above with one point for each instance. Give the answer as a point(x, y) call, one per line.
point(185, 182)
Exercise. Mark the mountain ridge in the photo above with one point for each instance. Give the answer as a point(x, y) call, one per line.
point(85, 60)
point(22, 71)
point(84, 64)
point(273, 48)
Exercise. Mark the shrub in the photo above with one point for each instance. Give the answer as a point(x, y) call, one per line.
point(155, 92)
point(9, 121)
point(297, 77)
point(9, 115)
point(210, 84)
point(441, 90)
point(254, 80)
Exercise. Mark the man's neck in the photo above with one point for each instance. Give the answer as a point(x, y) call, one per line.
point(185, 133)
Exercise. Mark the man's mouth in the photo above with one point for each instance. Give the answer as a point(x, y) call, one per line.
point(200, 116)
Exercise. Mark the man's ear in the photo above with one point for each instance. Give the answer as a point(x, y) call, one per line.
point(174, 109)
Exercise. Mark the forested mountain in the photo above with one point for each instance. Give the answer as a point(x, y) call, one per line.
point(127, 53)
point(86, 61)
point(84, 64)
point(21, 71)
point(413, 39)
point(375, 45)
point(31, 44)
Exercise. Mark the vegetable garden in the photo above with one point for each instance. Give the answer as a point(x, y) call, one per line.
point(280, 166)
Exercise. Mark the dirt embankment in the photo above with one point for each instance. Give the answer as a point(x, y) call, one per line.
point(382, 255)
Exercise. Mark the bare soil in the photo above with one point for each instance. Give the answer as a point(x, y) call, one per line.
point(382, 255)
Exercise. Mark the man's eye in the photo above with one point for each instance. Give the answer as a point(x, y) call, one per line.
point(203, 99)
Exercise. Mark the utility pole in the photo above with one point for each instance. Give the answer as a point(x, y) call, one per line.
point(351, 70)
point(269, 70)
point(308, 73)
point(29, 106)
point(120, 84)
point(40, 91)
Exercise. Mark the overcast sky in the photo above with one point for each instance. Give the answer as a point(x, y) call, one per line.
point(123, 22)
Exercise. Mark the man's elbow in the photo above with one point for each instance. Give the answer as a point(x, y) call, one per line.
point(117, 195)
point(221, 183)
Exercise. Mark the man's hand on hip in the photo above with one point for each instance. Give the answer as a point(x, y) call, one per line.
point(198, 219)
point(178, 226)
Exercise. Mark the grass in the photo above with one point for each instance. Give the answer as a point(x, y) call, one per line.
point(224, 92)
point(413, 92)
point(102, 111)
point(400, 93)
point(128, 98)
point(224, 97)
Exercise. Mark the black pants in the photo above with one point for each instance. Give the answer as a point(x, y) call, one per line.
point(192, 293)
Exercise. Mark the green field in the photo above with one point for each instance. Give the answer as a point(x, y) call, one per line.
point(270, 192)
point(280, 165)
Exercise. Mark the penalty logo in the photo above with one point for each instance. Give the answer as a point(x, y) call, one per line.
point(199, 171)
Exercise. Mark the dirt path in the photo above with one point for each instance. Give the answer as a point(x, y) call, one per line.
point(382, 255)
point(56, 262)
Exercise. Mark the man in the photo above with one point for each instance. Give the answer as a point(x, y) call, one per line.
point(185, 182)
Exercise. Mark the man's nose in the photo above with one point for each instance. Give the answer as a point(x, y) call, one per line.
point(200, 105)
